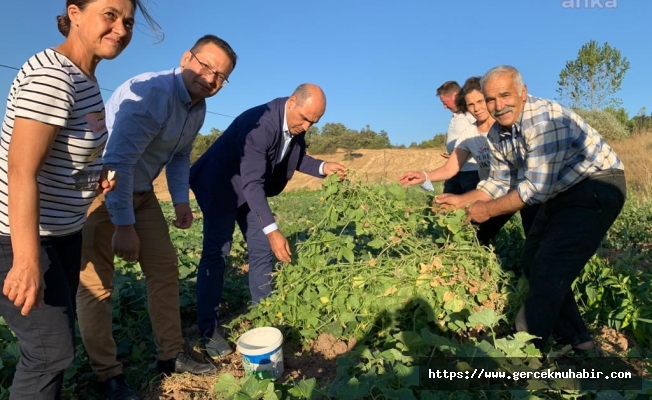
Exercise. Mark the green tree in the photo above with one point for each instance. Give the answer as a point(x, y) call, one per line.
point(642, 123)
point(592, 80)
point(622, 116)
point(350, 142)
point(334, 130)
point(439, 140)
point(202, 143)
point(370, 139)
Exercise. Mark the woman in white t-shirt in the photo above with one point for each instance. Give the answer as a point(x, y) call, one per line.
point(52, 138)
point(472, 143)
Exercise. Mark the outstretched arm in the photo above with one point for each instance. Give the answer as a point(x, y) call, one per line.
point(30, 145)
point(448, 170)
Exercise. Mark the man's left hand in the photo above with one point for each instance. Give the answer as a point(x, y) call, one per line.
point(184, 216)
point(477, 212)
point(333, 167)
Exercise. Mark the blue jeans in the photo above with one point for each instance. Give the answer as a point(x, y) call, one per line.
point(46, 336)
point(218, 236)
point(566, 232)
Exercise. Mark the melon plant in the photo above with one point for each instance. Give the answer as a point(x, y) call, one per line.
point(379, 252)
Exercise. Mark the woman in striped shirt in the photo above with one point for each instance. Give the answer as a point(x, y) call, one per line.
point(52, 139)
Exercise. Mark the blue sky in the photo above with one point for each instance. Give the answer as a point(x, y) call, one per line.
point(378, 61)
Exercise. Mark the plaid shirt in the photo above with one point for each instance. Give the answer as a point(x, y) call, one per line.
point(548, 151)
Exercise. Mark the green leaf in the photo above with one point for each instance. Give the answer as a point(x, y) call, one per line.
point(334, 329)
point(400, 394)
point(391, 355)
point(609, 395)
point(409, 375)
point(353, 389)
point(305, 389)
point(184, 271)
point(523, 337)
point(376, 243)
point(254, 388)
point(436, 340)
point(347, 317)
point(512, 348)
point(226, 386)
point(411, 340)
point(272, 394)
point(486, 317)
point(348, 254)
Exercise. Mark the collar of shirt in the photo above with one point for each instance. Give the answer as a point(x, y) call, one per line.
point(287, 137)
point(286, 131)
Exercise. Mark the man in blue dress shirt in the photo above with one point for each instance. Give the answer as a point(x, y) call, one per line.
point(152, 121)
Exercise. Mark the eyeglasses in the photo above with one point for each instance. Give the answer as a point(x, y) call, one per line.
point(221, 78)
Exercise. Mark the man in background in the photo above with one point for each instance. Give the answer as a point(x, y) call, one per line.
point(544, 153)
point(467, 178)
point(152, 121)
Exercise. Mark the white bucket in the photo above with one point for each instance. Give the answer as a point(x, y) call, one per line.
point(262, 352)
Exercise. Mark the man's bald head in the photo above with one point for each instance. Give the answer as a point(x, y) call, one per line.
point(305, 107)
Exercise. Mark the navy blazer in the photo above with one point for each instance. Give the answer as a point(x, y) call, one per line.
point(240, 167)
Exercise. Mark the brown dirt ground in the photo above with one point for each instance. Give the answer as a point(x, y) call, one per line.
point(319, 362)
point(384, 165)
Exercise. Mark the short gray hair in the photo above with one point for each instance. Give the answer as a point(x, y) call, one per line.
point(517, 78)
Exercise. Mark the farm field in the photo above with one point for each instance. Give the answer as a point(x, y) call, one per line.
point(376, 166)
point(378, 281)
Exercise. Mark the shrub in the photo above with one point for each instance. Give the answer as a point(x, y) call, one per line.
point(605, 123)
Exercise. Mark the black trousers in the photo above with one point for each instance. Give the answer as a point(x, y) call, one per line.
point(566, 232)
point(46, 336)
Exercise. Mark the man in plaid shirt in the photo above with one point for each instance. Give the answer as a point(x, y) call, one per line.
point(544, 153)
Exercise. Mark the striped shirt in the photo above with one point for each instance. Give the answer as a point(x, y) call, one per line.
point(548, 151)
point(49, 88)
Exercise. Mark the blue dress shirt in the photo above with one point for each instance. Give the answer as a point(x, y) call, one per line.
point(151, 123)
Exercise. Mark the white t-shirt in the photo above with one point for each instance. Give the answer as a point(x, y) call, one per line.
point(460, 122)
point(476, 143)
point(49, 88)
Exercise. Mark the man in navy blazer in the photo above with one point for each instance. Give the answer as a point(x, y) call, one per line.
point(254, 159)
